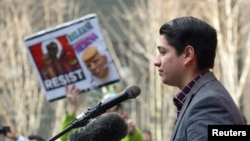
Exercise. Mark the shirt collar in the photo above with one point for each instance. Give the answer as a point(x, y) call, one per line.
point(180, 97)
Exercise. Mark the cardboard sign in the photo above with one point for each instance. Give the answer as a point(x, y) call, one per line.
point(71, 53)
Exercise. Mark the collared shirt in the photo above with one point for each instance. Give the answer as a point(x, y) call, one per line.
point(180, 97)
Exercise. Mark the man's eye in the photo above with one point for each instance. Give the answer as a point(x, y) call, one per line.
point(162, 52)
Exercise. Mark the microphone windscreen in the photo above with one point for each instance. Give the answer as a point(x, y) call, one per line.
point(108, 127)
point(133, 91)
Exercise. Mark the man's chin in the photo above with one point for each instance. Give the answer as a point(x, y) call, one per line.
point(102, 74)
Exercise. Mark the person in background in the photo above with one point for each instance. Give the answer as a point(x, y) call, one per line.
point(15, 136)
point(187, 49)
point(147, 136)
point(70, 115)
point(134, 133)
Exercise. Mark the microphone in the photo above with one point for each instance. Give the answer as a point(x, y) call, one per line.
point(108, 127)
point(92, 112)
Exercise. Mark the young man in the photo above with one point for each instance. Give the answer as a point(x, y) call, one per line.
point(187, 49)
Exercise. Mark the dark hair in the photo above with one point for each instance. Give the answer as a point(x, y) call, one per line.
point(184, 31)
point(35, 137)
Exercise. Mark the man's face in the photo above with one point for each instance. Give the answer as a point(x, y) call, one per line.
point(98, 66)
point(168, 62)
point(146, 137)
point(52, 49)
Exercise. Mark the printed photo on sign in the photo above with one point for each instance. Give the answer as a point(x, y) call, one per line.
point(57, 63)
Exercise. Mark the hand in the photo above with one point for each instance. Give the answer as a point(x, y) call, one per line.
point(12, 134)
point(71, 94)
point(131, 126)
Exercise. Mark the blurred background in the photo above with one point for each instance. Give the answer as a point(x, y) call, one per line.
point(130, 29)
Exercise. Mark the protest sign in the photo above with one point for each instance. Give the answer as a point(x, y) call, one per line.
point(74, 52)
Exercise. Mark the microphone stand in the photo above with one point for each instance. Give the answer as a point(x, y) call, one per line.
point(82, 121)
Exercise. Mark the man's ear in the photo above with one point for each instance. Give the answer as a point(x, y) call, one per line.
point(189, 54)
